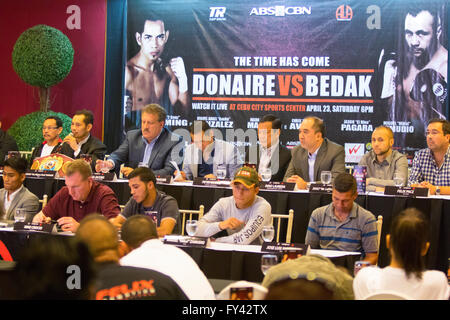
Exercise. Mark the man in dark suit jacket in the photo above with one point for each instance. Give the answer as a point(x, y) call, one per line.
point(7, 143)
point(152, 146)
point(80, 141)
point(269, 153)
point(314, 154)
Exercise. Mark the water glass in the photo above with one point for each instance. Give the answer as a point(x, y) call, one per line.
point(20, 215)
point(191, 227)
point(325, 177)
point(104, 167)
point(266, 174)
point(398, 179)
point(221, 172)
point(267, 261)
point(268, 233)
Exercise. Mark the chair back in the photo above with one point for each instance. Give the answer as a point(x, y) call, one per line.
point(379, 227)
point(279, 218)
point(26, 154)
point(43, 201)
point(185, 212)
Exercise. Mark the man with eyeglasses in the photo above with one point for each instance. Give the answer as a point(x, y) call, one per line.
point(242, 215)
point(51, 129)
point(431, 166)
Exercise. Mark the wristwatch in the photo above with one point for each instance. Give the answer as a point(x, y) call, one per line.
point(438, 191)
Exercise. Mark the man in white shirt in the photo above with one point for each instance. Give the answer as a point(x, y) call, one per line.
point(14, 195)
point(243, 215)
point(51, 129)
point(143, 249)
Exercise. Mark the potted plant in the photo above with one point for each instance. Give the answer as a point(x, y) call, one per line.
point(42, 57)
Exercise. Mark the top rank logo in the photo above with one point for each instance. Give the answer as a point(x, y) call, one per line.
point(280, 11)
point(217, 13)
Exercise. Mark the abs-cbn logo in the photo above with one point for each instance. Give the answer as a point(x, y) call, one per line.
point(217, 13)
point(280, 11)
point(354, 152)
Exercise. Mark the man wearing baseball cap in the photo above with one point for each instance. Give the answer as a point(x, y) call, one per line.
point(242, 215)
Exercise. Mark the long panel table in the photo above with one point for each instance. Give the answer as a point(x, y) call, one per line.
point(217, 261)
point(437, 209)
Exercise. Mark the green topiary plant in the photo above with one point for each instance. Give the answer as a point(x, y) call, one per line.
point(42, 57)
point(27, 130)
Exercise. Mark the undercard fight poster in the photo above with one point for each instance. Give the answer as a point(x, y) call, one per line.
point(357, 66)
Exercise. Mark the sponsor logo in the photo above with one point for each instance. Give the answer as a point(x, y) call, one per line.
point(217, 13)
point(344, 13)
point(354, 152)
point(280, 11)
point(438, 89)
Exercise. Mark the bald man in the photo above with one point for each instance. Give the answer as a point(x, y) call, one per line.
point(143, 249)
point(383, 162)
point(117, 282)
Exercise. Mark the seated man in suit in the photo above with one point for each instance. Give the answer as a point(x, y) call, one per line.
point(382, 162)
point(148, 200)
point(203, 156)
point(152, 145)
point(269, 153)
point(343, 224)
point(80, 197)
point(7, 143)
point(314, 155)
point(51, 129)
point(14, 195)
point(80, 141)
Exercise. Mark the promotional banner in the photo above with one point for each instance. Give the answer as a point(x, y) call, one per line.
point(357, 66)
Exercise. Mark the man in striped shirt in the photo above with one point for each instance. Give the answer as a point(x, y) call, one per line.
point(343, 224)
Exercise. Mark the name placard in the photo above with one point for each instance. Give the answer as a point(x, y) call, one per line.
point(320, 188)
point(186, 241)
point(406, 191)
point(275, 185)
point(38, 227)
point(163, 179)
point(282, 247)
point(40, 174)
point(109, 176)
point(211, 182)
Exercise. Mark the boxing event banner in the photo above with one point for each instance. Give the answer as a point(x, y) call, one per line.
point(356, 65)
